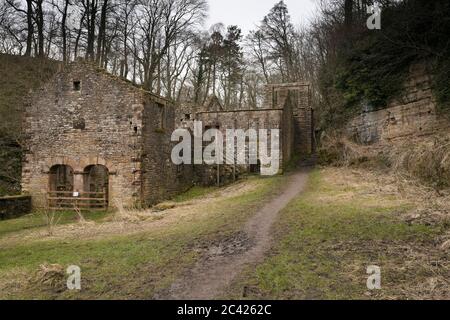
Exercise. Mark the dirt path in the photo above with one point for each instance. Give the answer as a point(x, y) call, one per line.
point(223, 261)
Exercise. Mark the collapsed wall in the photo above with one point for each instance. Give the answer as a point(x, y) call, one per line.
point(287, 107)
point(243, 120)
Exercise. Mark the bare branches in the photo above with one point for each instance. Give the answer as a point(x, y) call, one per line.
point(161, 24)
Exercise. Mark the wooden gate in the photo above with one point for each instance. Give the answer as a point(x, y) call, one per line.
point(69, 200)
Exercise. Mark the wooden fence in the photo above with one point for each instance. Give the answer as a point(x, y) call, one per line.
point(69, 200)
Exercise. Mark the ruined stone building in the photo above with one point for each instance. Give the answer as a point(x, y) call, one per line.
point(90, 132)
point(287, 108)
point(105, 142)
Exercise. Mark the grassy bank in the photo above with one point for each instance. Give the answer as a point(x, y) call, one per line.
point(137, 261)
point(37, 220)
point(344, 223)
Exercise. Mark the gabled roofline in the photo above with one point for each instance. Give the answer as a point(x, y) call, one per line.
point(116, 78)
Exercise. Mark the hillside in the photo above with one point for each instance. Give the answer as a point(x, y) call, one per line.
point(366, 69)
point(17, 76)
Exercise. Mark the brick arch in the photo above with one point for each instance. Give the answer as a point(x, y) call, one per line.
point(49, 163)
point(95, 160)
point(79, 164)
point(96, 179)
point(61, 178)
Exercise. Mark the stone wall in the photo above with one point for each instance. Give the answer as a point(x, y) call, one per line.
point(243, 119)
point(300, 96)
point(185, 113)
point(287, 108)
point(14, 206)
point(161, 179)
point(413, 114)
point(84, 117)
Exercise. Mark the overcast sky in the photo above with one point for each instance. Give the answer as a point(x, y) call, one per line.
point(248, 13)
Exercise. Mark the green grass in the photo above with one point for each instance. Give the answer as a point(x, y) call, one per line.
point(37, 220)
point(111, 268)
point(127, 266)
point(325, 246)
point(194, 192)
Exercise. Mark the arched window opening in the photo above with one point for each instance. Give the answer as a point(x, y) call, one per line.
point(96, 182)
point(61, 178)
point(60, 187)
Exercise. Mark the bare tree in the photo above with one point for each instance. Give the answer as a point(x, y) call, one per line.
point(127, 22)
point(101, 39)
point(259, 52)
point(176, 64)
point(63, 11)
point(79, 33)
point(29, 14)
point(12, 30)
point(90, 13)
point(348, 12)
point(160, 24)
point(279, 31)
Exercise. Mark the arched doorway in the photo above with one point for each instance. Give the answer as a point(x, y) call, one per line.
point(61, 178)
point(255, 168)
point(60, 186)
point(96, 181)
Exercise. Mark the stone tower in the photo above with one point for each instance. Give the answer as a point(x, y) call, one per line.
point(299, 94)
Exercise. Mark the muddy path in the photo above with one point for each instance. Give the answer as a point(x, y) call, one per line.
point(223, 261)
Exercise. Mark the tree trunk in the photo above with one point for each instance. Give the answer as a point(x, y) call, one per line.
point(101, 33)
point(30, 28)
point(40, 27)
point(91, 13)
point(64, 31)
point(348, 11)
point(77, 41)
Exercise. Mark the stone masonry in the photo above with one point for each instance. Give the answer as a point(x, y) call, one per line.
point(85, 116)
point(413, 114)
point(287, 108)
point(89, 131)
point(300, 99)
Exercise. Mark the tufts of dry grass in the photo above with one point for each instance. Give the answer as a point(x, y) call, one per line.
point(337, 149)
point(123, 260)
point(50, 275)
point(425, 159)
point(348, 219)
point(123, 214)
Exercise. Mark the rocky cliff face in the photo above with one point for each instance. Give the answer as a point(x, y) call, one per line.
point(411, 115)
